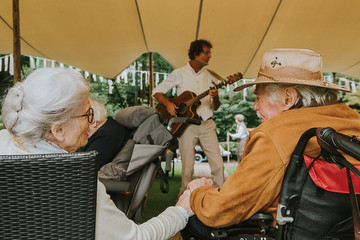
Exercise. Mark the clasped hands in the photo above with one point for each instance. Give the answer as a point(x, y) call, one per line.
point(194, 184)
point(184, 199)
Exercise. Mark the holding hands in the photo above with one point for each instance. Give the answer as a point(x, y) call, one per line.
point(184, 202)
point(194, 184)
point(184, 199)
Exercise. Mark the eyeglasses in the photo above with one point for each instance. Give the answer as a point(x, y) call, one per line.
point(89, 114)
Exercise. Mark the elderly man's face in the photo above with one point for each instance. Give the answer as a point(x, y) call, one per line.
point(264, 109)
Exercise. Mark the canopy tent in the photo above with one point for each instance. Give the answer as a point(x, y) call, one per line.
point(104, 37)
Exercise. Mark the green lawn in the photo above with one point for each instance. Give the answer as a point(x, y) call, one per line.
point(158, 201)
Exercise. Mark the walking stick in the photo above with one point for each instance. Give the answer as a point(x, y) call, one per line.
point(228, 147)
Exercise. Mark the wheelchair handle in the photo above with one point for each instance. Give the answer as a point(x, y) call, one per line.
point(174, 120)
point(193, 121)
point(347, 144)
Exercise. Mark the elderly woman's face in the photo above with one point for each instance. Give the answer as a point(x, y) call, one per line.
point(76, 132)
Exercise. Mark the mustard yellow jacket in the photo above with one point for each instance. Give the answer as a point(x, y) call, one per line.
point(255, 185)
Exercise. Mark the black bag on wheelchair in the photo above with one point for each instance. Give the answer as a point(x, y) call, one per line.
point(317, 198)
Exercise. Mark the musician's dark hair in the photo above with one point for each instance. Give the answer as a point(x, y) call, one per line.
point(196, 47)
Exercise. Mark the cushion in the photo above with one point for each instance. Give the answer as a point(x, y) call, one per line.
point(132, 117)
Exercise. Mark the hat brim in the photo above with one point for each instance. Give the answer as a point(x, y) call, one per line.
point(290, 81)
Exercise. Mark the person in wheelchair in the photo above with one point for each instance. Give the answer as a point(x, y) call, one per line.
point(106, 135)
point(292, 96)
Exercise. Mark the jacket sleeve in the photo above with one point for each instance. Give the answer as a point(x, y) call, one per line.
point(112, 224)
point(254, 186)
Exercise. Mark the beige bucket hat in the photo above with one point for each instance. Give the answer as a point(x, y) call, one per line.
point(292, 66)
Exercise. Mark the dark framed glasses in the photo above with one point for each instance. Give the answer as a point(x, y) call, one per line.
point(89, 114)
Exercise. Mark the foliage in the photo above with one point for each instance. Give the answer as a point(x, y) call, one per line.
point(128, 94)
point(231, 104)
point(113, 102)
point(1, 123)
point(6, 81)
point(352, 100)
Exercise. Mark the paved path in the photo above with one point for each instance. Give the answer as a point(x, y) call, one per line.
point(203, 169)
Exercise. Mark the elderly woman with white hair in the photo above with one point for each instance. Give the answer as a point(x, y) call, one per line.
point(49, 112)
point(241, 135)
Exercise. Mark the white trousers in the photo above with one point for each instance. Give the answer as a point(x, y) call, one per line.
point(205, 136)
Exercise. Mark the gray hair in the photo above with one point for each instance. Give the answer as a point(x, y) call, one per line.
point(240, 117)
point(46, 97)
point(100, 113)
point(309, 96)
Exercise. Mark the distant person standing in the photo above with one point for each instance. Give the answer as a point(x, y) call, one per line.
point(241, 135)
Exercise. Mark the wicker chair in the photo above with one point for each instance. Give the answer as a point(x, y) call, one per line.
point(48, 196)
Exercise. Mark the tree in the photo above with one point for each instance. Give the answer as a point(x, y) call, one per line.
point(231, 104)
point(126, 94)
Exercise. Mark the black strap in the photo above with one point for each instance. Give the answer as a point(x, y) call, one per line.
point(150, 139)
point(330, 154)
point(163, 178)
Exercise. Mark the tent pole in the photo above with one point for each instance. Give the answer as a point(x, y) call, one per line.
point(151, 79)
point(334, 77)
point(16, 41)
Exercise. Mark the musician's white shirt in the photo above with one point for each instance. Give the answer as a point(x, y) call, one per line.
point(186, 79)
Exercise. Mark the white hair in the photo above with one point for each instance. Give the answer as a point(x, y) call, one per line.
point(240, 117)
point(46, 97)
point(308, 96)
point(100, 113)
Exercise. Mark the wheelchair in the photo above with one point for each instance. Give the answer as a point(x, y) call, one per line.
point(129, 177)
point(311, 205)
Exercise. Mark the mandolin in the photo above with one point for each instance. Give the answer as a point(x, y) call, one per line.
point(188, 102)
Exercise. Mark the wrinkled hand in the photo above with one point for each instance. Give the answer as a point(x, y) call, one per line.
point(171, 108)
point(184, 202)
point(213, 92)
point(194, 184)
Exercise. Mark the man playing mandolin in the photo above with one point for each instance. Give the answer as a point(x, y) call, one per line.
point(195, 78)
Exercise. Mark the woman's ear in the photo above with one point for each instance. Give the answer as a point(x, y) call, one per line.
point(58, 133)
point(291, 96)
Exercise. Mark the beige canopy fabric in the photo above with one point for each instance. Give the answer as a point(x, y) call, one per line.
point(104, 37)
